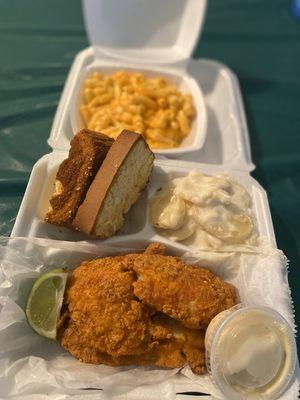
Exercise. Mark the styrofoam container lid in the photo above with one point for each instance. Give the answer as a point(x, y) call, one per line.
point(150, 31)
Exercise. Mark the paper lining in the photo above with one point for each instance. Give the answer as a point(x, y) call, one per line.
point(31, 366)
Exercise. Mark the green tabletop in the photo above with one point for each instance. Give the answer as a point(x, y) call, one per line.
point(258, 39)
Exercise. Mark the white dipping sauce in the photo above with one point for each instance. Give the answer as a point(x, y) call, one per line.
point(204, 211)
point(252, 354)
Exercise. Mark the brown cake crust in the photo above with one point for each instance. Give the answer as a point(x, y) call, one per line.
point(75, 174)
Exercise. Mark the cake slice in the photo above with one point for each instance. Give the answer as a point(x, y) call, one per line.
point(117, 185)
point(75, 174)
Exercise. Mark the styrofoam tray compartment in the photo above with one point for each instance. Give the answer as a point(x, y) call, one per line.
point(186, 84)
point(227, 140)
point(30, 223)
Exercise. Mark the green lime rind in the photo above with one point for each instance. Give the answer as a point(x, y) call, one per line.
point(45, 301)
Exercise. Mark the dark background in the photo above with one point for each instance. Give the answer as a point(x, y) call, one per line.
point(258, 39)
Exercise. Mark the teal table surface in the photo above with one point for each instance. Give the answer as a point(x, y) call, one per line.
point(258, 39)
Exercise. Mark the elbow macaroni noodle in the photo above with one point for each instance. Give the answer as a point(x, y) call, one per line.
point(129, 100)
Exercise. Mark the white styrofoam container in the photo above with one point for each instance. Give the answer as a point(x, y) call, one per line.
point(227, 142)
point(158, 38)
point(154, 37)
point(166, 49)
point(30, 223)
point(214, 87)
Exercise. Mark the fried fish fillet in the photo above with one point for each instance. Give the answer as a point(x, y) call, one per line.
point(183, 346)
point(139, 309)
point(187, 293)
point(101, 312)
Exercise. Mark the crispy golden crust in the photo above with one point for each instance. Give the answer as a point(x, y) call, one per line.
point(117, 310)
point(183, 346)
point(100, 305)
point(189, 294)
point(186, 344)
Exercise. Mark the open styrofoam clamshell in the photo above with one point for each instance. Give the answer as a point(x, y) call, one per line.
point(157, 38)
point(227, 139)
point(35, 204)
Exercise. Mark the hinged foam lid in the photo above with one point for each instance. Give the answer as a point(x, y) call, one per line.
point(154, 31)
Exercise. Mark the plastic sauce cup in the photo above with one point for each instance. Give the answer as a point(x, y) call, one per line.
point(250, 353)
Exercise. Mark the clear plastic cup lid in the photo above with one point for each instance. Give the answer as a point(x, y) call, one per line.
point(251, 353)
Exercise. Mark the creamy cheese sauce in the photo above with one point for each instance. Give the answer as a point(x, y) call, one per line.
point(204, 211)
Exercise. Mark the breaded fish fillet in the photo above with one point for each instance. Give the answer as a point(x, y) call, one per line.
point(139, 308)
point(187, 293)
point(101, 312)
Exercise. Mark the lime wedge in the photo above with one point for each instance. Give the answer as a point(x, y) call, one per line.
point(45, 301)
